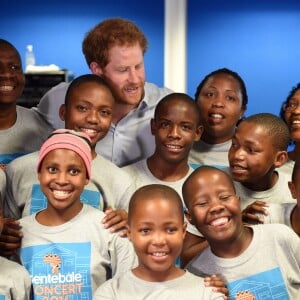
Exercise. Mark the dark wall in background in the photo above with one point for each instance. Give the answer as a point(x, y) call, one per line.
point(56, 29)
point(259, 39)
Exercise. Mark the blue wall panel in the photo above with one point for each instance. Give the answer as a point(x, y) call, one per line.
point(258, 39)
point(57, 28)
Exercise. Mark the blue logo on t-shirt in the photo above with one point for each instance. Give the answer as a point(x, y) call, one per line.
point(39, 200)
point(267, 285)
point(59, 271)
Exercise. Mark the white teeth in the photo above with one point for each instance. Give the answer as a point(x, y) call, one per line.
point(132, 89)
point(61, 194)
point(92, 131)
point(173, 146)
point(159, 254)
point(296, 122)
point(6, 88)
point(219, 222)
point(216, 116)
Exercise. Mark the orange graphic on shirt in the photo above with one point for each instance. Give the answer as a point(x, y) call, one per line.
point(54, 261)
point(245, 295)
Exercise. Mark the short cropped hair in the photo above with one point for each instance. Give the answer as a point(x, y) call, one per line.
point(84, 79)
point(235, 75)
point(107, 34)
point(182, 97)
point(274, 126)
point(153, 191)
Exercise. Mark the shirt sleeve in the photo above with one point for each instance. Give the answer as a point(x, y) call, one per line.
point(123, 257)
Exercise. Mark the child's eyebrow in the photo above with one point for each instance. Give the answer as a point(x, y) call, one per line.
point(145, 223)
point(154, 223)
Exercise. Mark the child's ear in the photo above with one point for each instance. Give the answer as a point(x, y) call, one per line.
point(280, 159)
point(128, 232)
point(153, 126)
point(86, 181)
point(188, 216)
point(62, 112)
point(199, 131)
point(292, 189)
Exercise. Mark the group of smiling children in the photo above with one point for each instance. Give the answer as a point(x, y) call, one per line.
point(68, 210)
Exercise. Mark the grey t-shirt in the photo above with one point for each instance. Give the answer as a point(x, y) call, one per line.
point(15, 282)
point(268, 269)
point(128, 286)
point(79, 253)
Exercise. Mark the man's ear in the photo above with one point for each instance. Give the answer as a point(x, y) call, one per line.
point(95, 68)
point(280, 159)
point(62, 112)
point(153, 126)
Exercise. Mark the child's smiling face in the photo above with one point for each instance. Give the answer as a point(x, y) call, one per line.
point(89, 109)
point(62, 178)
point(213, 206)
point(157, 230)
point(175, 129)
point(252, 155)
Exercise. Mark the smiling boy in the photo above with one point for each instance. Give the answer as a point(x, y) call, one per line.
point(259, 148)
point(263, 260)
point(156, 229)
point(175, 127)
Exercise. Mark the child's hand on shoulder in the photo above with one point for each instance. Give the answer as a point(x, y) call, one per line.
point(218, 285)
point(254, 212)
point(116, 221)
